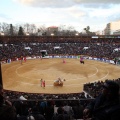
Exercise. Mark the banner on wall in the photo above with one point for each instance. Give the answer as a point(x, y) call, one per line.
point(67, 56)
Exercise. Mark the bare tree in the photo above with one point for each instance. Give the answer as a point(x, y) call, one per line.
point(87, 29)
point(32, 29)
point(26, 27)
point(16, 29)
point(88, 32)
point(42, 29)
point(5, 28)
point(66, 30)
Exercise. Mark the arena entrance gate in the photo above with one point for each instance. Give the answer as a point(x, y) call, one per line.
point(43, 53)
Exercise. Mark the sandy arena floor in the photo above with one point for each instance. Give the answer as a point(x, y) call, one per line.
point(26, 77)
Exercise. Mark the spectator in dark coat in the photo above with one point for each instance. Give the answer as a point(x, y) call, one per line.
point(60, 115)
point(49, 111)
point(34, 113)
point(106, 106)
point(7, 111)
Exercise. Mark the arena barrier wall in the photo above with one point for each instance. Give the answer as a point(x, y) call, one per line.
point(61, 56)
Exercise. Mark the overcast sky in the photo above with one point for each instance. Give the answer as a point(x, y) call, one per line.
point(77, 13)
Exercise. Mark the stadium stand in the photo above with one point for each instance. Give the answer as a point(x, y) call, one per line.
point(45, 106)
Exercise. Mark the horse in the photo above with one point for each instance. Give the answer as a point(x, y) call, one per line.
point(58, 82)
point(82, 62)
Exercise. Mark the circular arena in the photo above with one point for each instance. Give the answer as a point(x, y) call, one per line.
point(26, 77)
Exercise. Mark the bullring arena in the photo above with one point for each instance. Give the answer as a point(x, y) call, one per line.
point(26, 77)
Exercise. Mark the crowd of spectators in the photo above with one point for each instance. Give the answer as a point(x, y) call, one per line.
point(94, 89)
point(25, 106)
point(106, 106)
point(43, 106)
point(97, 48)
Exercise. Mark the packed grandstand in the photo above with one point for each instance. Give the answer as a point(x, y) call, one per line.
point(103, 48)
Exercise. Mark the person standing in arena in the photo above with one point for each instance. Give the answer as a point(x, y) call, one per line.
point(64, 60)
point(21, 60)
point(40, 56)
point(81, 60)
point(43, 84)
point(115, 61)
point(24, 59)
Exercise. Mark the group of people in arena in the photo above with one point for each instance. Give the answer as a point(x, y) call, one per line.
point(42, 83)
